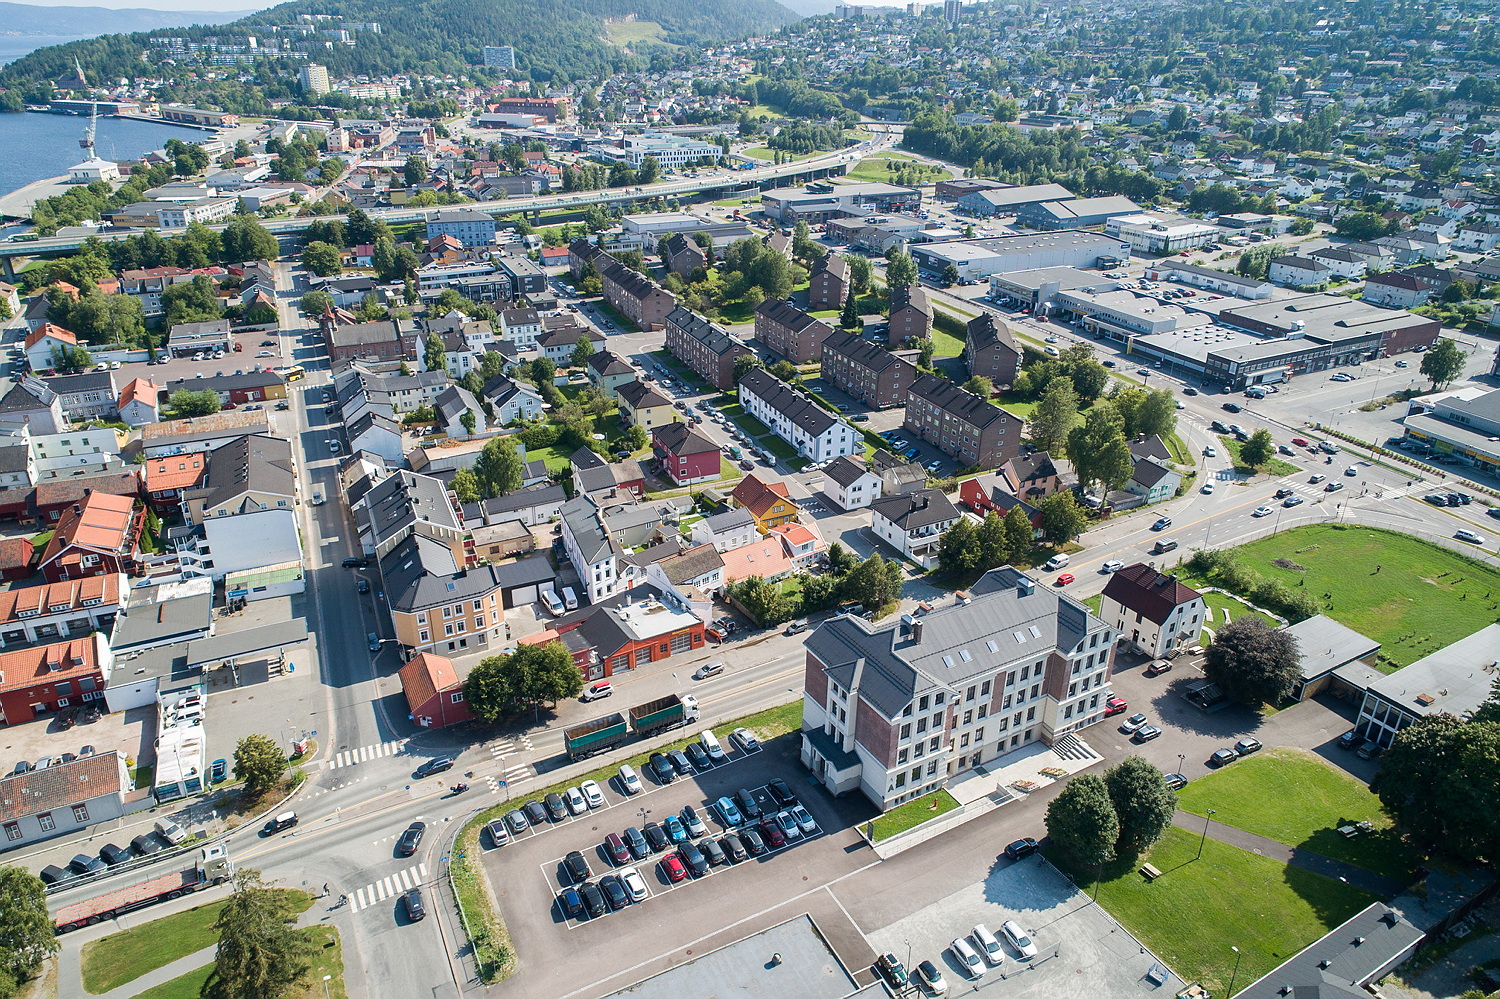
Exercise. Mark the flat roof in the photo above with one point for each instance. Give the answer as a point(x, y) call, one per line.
point(1327, 318)
point(1324, 645)
point(1197, 342)
point(1454, 433)
point(1021, 242)
point(1453, 680)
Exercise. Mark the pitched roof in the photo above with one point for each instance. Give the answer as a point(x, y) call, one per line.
point(140, 388)
point(846, 471)
point(693, 563)
point(866, 354)
point(101, 523)
point(175, 471)
point(48, 329)
point(765, 557)
point(758, 497)
point(58, 598)
point(84, 381)
point(16, 553)
point(913, 295)
point(255, 463)
point(638, 395)
point(794, 406)
point(1152, 594)
point(58, 787)
point(784, 313)
point(1150, 447)
point(1148, 472)
point(424, 676)
point(910, 511)
point(989, 330)
point(606, 363)
point(834, 264)
point(714, 337)
point(51, 492)
point(962, 404)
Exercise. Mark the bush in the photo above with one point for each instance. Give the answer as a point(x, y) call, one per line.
point(542, 436)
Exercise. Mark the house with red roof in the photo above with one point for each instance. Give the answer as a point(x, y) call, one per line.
point(70, 609)
point(168, 476)
point(1152, 610)
point(434, 691)
point(42, 341)
point(140, 402)
point(770, 503)
point(101, 534)
point(44, 679)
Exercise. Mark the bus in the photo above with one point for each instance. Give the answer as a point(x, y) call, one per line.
point(294, 372)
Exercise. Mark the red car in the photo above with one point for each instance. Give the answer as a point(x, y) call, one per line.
point(1301, 442)
point(1065, 579)
point(1115, 706)
point(775, 838)
point(674, 868)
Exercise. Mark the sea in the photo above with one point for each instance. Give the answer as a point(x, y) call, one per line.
point(37, 146)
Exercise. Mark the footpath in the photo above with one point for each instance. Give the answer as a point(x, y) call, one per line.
point(1296, 857)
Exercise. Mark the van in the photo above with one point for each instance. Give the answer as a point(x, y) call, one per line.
point(170, 831)
point(710, 744)
point(570, 599)
point(1057, 562)
point(1164, 545)
point(553, 604)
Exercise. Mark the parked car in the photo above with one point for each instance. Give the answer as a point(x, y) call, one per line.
point(755, 844)
point(636, 843)
point(661, 768)
point(1146, 733)
point(676, 831)
point(734, 847)
point(1246, 746)
point(892, 971)
point(574, 799)
point(536, 812)
point(615, 895)
point(1222, 757)
point(1021, 848)
point(967, 958)
point(693, 857)
point(1350, 739)
point(673, 867)
point(578, 867)
point(1018, 938)
point(748, 805)
point(592, 793)
point(557, 808)
point(745, 739)
point(694, 823)
point(729, 812)
point(635, 885)
point(657, 837)
point(1116, 706)
point(1175, 782)
point(1133, 723)
point(932, 979)
point(628, 779)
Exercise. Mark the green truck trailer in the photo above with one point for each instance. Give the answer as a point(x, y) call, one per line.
point(662, 713)
point(595, 736)
point(645, 719)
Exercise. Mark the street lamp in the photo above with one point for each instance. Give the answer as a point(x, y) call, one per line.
point(1234, 974)
point(1180, 758)
point(908, 954)
point(1205, 832)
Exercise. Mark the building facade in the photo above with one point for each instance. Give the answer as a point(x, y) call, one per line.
point(703, 346)
point(795, 418)
point(788, 332)
point(865, 370)
point(961, 424)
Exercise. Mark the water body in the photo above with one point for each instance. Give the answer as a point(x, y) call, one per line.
point(37, 146)
point(13, 47)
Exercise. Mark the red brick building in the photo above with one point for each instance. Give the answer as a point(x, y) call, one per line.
point(48, 678)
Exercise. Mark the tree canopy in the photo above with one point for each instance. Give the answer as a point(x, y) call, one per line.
point(530, 676)
point(260, 953)
point(260, 763)
point(1253, 663)
point(1440, 778)
point(1081, 820)
point(1143, 803)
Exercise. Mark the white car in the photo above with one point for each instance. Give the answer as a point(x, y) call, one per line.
point(987, 944)
point(1113, 565)
point(1209, 452)
point(635, 885)
point(592, 794)
point(575, 801)
point(1470, 536)
point(1263, 511)
point(804, 819)
point(967, 958)
point(265, 353)
point(1018, 939)
point(629, 780)
point(789, 827)
point(1208, 487)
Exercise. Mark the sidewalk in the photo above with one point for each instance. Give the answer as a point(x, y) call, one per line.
point(1295, 856)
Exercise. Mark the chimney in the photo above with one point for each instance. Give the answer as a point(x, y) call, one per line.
point(916, 631)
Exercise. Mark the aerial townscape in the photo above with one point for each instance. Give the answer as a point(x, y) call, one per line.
point(1004, 493)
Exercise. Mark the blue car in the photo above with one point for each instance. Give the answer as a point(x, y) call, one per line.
point(675, 829)
point(218, 771)
point(911, 452)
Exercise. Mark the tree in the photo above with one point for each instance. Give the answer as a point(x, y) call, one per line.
point(383, 258)
point(1063, 519)
point(499, 467)
point(260, 763)
point(465, 486)
point(994, 543)
point(900, 269)
point(980, 385)
point(1253, 663)
point(849, 318)
point(763, 601)
point(468, 421)
point(414, 170)
point(1098, 449)
point(860, 272)
point(529, 676)
point(949, 276)
point(874, 582)
point(67, 357)
point(314, 303)
point(244, 238)
point(650, 171)
point(746, 363)
point(1157, 414)
point(958, 549)
point(1020, 534)
point(1054, 416)
point(323, 259)
point(1081, 821)
point(805, 249)
point(434, 354)
point(582, 351)
point(636, 438)
point(1443, 363)
point(191, 301)
point(26, 934)
point(1362, 226)
point(1440, 779)
point(1143, 803)
point(191, 402)
point(840, 559)
point(1258, 450)
point(260, 954)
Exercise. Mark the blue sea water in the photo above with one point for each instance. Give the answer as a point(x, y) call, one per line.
point(36, 146)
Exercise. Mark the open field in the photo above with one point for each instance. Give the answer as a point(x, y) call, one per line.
point(1295, 798)
point(636, 33)
point(873, 168)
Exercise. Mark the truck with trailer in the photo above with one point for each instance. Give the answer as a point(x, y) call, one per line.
point(213, 867)
point(644, 720)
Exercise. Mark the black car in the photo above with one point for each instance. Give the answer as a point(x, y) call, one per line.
point(435, 766)
point(87, 864)
point(593, 900)
point(1231, 407)
point(536, 812)
point(54, 875)
point(113, 855)
point(661, 769)
point(699, 757)
point(1189, 391)
point(639, 848)
point(146, 844)
point(680, 762)
point(748, 805)
point(753, 841)
point(693, 857)
point(615, 894)
point(415, 907)
point(1350, 739)
point(572, 903)
point(734, 847)
point(657, 837)
point(781, 792)
point(283, 821)
point(712, 851)
point(556, 807)
point(1218, 427)
point(407, 844)
point(1021, 848)
point(578, 867)
point(354, 562)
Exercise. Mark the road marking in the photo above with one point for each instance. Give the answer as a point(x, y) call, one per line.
point(395, 884)
point(363, 754)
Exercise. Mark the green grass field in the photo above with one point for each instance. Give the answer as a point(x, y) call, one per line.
point(873, 168)
point(1295, 798)
point(1273, 467)
point(327, 959)
point(945, 344)
point(768, 154)
point(1218, 603)
point(1198, 908)
point(636, 33)
point(913, 814)
point(1412, 597)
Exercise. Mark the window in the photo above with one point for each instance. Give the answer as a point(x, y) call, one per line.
point(963, 742)
point(932, 768)
point(456, 697)
point(969, 696)
point(12, 831)
point(900, 782)
point(983, 710)
point(923, 704)
point(901, 757)
point(979, 735)
point(968, 717)
point(921, 725)
point(1031, 714)
point(80, 813)
point(422, 635)
point(906, 731)
point(46, 821)
point(932, 746)
point(984, 689)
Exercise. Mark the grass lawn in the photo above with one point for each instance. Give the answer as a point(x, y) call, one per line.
point(185, 986)
point(327, 959)
point(873, 168)
point(493, 951)
point(738, 202)
point(946, 344)
point(768, 154)
point(1198, 908)
point(1421, 599)
point(913, 813)
point(1218, 603)
point(636, 32)
point(1273, 467)
point(1296, 798)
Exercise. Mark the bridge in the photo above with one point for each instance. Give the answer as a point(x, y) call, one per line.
point(818, 166)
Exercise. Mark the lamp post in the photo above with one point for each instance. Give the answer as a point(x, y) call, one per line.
point(1235, 973)
point(908, 955)
point(1180, 758)
point(1206, 820)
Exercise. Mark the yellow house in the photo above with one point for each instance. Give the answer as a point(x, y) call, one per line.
point(769, 503)
point(643, 406)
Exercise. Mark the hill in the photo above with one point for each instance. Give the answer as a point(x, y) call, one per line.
point(435, 36)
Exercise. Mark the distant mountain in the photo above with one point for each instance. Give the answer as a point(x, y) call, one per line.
point(554, 39)
point(90, 22)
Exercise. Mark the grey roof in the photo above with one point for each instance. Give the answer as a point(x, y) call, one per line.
point(151, 622)
point(910, 511)
point(913, 295)
point(371, 419)
point(228, 383)
point(420, 573)
point(888, 668)
point(404, 497)
point(1339, 964)
point(630, 281)
point(359, 334)
point(1040, 465)
point(639, 395)
point(87, 381)
point(522, 499)
point(963, 405)
point(14, 457)
point(784, 313)
point(253, 463)
point(794, 406)
point(730, 520)
point(526, 571)
point(591, 473)
point(884, 462)
point(27, 397)
point(835, 264)
point(606, 363)
point(1299, 263)
point(568, 336)
point(1455, 679)
point(1148, 473)
point(1009, 197)
point(584, 523)
point(1324, 645)
point(1150, 447)
point(453, 402)
point(989, 330)
point(652, 554)
point(693, 563)
point(846, 471)
point(715, 338)
point(680, 439)
point(870, 356)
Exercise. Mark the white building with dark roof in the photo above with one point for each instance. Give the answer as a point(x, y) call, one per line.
point(850, 483)
point(795, 418)
point(913, 523)
point(1153, 611)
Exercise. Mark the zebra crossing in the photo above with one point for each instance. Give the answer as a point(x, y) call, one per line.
point(388, 887)
point(513, 775)
point(350, 757)
point(501, 748)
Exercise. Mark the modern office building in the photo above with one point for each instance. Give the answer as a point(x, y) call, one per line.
point(500, 56)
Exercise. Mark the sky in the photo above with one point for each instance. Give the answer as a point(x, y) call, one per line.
point(151, 4)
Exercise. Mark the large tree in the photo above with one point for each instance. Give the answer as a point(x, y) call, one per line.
point(980, 385)
point(860, 272)
point(244, 238)
point(900, 269)
point(994, 542)
point(193, 402)
point(26, 934)
point(1143, 803)
point(762, 600)
point(1082, 822)
point(322, 259)
point(260, 953)
point(1259, 449)
point(530, 675)
point(1098, 449)
point(1253, 663)
point(958, 548)
point(434, 354)
point(465, 486)
point(582, 351)
point(1063, 519)
point(874, 582)
point(1020, 533)
point(1053, 417)
point(259, 762)
point(314, 303)
point(1443, 363)
point(499, 467)
point(1440, 779)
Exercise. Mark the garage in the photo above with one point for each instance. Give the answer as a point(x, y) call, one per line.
point(522, 581)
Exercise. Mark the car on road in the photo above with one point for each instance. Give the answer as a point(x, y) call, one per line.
point(1210, 452)
point(1472, 537)
point(673, 867)
point(1208, 487)
point(1263, 511)
point(592, 793)
point(1301, 442)
point(1293, 501)
point(595, 691)
point(1116, 706)
point(1246, 746)
point(412, 902)
point(285, 820)
point(1316, 478)
point(411, 839)
point(1333, 487)
point(1146, 733)
point(967, 958)
point(1132, 723)
point(1283, 449)
point(363, 586)
point(1158, 667)
point(1222, 757)
point(1113, 565)
point(354, 562)
point(1021, 848)
point(1232, 407)
point(373, 640)
point(707, 670)
point(1064, 579)
point(1175, 782)
point(1162, 523)
point(1351, 471)
point(578, 867)
point(434, 766)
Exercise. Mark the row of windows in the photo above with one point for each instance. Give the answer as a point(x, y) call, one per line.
point(46, 821)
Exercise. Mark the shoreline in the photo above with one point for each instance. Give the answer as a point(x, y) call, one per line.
point(17, 204)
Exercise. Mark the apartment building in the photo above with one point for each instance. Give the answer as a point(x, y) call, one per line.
point(828, 283)
point(786, 330)
point(992, 349)
point(795, 418)
point(896, 710)
point(1153, 611)
point(636, 296)
point(706, 348)
point(961, 424)
point(868, 372)
point(911, 314)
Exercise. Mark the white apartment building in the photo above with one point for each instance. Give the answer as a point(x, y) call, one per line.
point(795, 418)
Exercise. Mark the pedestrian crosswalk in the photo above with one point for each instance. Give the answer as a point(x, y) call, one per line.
point(387, 887)
point(501, 748)
point(514, 775)
point(350, 757)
